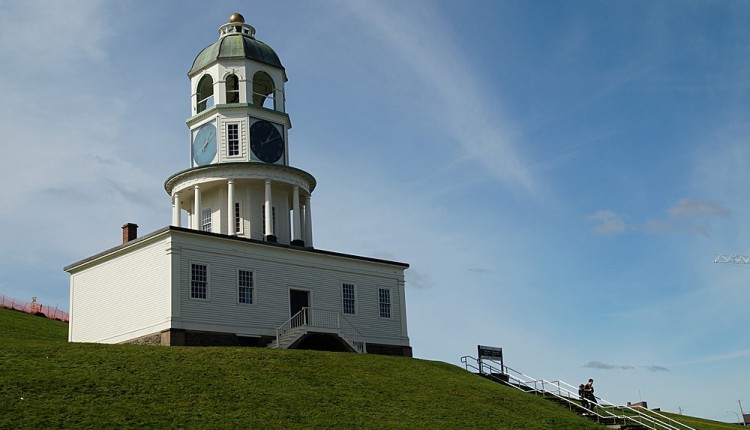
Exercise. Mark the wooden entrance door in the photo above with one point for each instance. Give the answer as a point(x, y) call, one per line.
point(298, 299)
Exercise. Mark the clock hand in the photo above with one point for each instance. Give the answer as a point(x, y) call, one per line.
point(208, 140)
point(272, 139)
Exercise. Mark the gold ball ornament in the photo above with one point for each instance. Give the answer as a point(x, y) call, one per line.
point(237, 18)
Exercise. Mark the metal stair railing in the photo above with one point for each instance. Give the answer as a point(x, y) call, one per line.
point(526, 383)
point(671, 423)
point(350, 334)
point(297, 320)
point(662, 417)
point(312, 318)
point(569, 394)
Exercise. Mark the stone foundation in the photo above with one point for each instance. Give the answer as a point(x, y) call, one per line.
point(178, 337)
point(380, 349)
point(152, 339)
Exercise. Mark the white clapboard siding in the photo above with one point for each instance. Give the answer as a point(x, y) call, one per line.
point(143, 288)
point(122, 295)
point(276, 270)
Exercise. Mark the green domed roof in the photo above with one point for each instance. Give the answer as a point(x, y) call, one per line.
point(234, 46)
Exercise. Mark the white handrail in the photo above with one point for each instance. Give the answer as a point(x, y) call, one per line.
point(311, 318)
point(560, 391)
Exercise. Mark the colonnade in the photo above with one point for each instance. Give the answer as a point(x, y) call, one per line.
point(301, 221)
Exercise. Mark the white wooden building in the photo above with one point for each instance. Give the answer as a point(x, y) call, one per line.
point(243, 270)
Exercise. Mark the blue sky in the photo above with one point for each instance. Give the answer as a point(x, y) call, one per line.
point(559, 175)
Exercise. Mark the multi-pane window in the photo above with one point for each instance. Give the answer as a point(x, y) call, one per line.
point(206, 219)
point(198, 281)
point(245, 286)
point(237, 219)
point(347, 295)
point(233, 140)
point(273, 219)
point(384, 298)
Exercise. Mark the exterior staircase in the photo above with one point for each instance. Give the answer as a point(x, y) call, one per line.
point(288, 338)
point(319, 321)
point(566, 395)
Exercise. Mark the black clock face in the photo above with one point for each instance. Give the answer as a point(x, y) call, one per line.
point(266, 141)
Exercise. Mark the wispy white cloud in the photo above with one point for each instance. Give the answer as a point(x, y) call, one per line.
point(419, 280)
point(608, 222)
point(607, 366)
point(733, 355)
point(658, 227)
point(426, 47)
point(59, 32)
point(654, 368)
point(66, 130)
point(693, 208)
point(681, 219)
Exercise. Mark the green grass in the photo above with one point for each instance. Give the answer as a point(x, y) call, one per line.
point(696, 423)
point(46, 382)
point(700, 423)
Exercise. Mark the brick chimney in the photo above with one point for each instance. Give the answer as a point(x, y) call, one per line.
point(129, 232)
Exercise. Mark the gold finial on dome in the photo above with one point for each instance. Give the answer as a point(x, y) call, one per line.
point(235, 26)
point(237, 18)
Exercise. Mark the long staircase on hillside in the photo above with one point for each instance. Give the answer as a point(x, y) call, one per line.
point(564, 394)
point(322, 322)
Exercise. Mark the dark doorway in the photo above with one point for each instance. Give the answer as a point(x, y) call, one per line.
point(298, 299)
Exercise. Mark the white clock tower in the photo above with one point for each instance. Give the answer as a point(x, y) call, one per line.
point(242, 270)
point(240, 181)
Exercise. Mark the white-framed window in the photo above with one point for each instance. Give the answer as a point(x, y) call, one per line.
point(348, 303)
point(237, 218)
point(206, 219)
point(233, 140)
point(198, 281)
point(245, 287)
point(384, 302)
point(273, 219)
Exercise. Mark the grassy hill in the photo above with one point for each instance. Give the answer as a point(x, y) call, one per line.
point(46, 382)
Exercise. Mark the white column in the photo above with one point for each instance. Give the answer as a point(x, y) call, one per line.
point(197, 209)
point(308, 223)
point(176, 210)
point(230, 208)
point(268, 228)
point(296, 215)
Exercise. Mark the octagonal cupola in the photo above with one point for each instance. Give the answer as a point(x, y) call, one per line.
point(240, 181)
point(238, 79)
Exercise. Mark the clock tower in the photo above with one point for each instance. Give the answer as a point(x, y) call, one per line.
point(237, 265)
point(240, 181)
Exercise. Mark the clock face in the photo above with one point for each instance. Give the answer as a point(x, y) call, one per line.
point(204, 144)
point(266, 141)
